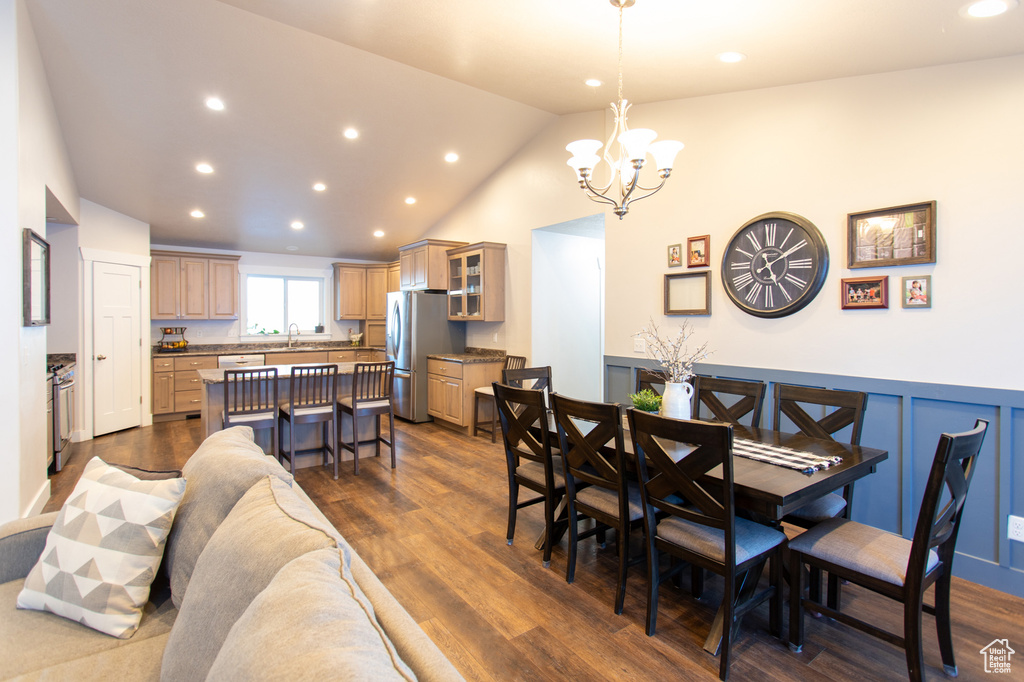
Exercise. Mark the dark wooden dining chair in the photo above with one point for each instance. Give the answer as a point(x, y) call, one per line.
point(893, 566)
point(704, 531)
point(843, 408)
point(649, 379)
point(312, 398)
point(527, 440)
point(250, 399)
point(484, 395)
point(373, 386)
point(537, 378)
point(593, 456)
point(744, 397)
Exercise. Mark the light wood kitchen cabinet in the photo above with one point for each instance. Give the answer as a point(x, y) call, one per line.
point(163, 385)
point(376, 334)
point(394, 276)
point(356, 355)
point(422, 264)
point(349, 292)
point(223, 289)
point(450, 388)
point(177, 388)
point(185, 286)
point(476, 283)
point(296, 357)
point(376, 292)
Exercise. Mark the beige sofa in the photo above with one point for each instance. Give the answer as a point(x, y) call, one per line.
point(255, 584)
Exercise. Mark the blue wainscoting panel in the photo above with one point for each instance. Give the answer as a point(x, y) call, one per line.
point(906, 418)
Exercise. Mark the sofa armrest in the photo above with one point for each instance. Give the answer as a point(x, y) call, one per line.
point(21, 543)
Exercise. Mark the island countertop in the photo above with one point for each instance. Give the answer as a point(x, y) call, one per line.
point(216, 376)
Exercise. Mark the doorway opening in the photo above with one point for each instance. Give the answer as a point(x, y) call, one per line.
point(568, 305)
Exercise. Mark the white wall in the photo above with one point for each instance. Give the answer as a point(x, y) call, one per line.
point(204, 332)
point(568, 305)
point(32, 159)
point(65, 289)
point(821, 150)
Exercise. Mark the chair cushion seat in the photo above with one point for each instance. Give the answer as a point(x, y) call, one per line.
point(366, 404)
point(485, 390)
point(250, 417)
point(534, 471)
point(752, 539)
point(607, 501)
point(865, 549)
point(305, 411)
point(822, 509)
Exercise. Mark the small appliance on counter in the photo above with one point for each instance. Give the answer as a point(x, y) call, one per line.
point(173, 339)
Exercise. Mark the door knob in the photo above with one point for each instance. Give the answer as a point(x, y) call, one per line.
point(101, 357)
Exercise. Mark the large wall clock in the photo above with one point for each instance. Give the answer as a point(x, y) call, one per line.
point(775, 264)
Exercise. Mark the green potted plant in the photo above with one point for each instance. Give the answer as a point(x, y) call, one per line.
point(646, 400)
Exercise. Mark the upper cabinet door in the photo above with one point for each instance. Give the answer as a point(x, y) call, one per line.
point(349, 292)
point(376, 292)
point(164, 275)
point(223, 289)
point(194, 300)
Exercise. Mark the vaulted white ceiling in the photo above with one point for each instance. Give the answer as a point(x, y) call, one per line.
point(417, 78)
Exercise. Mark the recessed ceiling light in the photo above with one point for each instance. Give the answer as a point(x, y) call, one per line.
point(204, 168)
point(197, 214)
point(731, 57)
point(215, 103)
point(410, 200)
point(378, 233)
point(593, 82)
point(297, 225)
point(319, 187)
point(351, 133)
point(291, 248)
point(451, 157)
point(987, 8)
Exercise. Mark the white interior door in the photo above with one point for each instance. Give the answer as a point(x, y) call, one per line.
point(117, 384)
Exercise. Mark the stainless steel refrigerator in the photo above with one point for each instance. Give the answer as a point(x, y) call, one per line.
point(418, 326)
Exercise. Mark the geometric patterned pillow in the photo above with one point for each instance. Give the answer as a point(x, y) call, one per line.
point(104, 549)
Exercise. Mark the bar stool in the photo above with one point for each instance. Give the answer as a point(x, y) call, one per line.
point(372, 390)
point(250, 399)
point(312, 398)
point(485, 395)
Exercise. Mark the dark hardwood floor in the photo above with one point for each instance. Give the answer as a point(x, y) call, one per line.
point(434, 532)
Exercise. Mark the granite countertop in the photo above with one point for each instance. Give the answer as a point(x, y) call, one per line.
point(61, 359)
point(216, 376)
point(472, 355)
point(244, 348)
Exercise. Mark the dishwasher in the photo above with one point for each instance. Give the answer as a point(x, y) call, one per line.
point(237, 361)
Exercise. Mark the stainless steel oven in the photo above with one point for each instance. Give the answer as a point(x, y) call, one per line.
point(63, 412)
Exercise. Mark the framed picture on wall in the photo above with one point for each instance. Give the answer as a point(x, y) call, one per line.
point(675, 255)
point(35, 280)
point(901, 235)
point(688, 293)
point(864, 292)
point(698, 251)
point(917, 291)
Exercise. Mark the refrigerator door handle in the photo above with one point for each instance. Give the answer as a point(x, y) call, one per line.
point(395, 339)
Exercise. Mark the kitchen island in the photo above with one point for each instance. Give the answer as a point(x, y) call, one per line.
point(307, 436)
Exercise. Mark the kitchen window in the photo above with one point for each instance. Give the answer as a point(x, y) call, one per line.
point(273, 303)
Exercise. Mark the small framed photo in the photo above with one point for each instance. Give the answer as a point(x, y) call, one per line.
point(675, 255)
point(864, 292)
point(688, 293)
point(917, 292)
point(901, 235)
point(697, 251)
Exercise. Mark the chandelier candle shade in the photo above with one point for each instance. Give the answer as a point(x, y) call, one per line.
point(623, 185)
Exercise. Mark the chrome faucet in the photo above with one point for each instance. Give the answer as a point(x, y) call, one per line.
point(293, 324)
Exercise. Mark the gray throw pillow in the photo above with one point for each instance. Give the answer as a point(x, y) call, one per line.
point(224, 467)
point(268, 527)
point(311, 618)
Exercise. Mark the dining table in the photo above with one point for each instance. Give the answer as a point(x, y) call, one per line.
point(767, 492)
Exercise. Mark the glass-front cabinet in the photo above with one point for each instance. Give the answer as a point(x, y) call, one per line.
point(476, 282)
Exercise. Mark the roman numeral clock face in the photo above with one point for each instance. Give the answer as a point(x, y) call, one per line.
point(775, 265)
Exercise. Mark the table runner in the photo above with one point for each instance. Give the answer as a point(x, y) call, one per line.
point(805, 462)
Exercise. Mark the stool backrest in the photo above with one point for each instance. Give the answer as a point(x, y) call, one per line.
point(314, 385)
point(250, 391)
point(373, 381)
